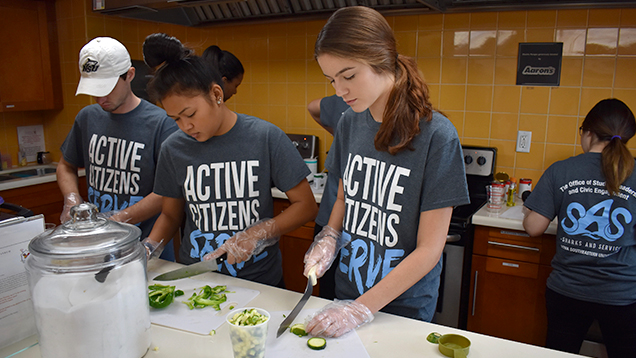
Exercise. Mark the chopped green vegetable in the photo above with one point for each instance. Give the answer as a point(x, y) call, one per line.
point(160, 296)
point(248, 317)
point(317, 343)
point(207, 296)
point(298, 329)
point(178, 293)
point(231, 307)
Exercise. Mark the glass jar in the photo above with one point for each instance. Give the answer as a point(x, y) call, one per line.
point(88, 286)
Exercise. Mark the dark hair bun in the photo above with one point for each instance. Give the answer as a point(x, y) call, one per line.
point(213, 53)
point(159, 48)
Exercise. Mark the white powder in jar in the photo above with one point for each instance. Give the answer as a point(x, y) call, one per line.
point(79, 317)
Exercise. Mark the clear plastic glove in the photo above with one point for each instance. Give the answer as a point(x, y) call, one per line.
point(70, 201)
point(323, 250)
point(153, 248)
point(251, 241)
point(116, 215)
point(338, 318)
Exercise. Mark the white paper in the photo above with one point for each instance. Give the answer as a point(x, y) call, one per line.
point(16, 310)
point(31, 141)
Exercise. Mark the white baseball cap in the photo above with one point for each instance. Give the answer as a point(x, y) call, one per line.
point(101, 62)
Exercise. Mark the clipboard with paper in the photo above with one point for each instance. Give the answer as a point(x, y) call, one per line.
point(16, 310)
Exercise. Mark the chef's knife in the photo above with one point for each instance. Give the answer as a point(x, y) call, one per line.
point(311, 282)
point(191, 270)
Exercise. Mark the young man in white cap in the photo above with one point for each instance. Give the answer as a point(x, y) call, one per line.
point(116, 140)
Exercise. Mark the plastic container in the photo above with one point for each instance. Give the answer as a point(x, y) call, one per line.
point(248, 341)
point(88, 286)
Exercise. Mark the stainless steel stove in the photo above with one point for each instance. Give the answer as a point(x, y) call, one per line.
point(452, 304)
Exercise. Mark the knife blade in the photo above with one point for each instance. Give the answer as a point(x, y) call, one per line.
point(191, 270)
point(311, 282)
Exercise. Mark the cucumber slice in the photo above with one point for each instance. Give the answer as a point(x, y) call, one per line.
point(298, 329)
point(316, 343)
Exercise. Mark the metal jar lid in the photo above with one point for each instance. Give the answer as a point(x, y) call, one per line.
point(85, 239)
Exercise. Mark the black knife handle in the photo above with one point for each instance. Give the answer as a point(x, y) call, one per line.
point(220, 259)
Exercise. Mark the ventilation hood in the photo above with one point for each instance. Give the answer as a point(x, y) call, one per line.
point(223, 12)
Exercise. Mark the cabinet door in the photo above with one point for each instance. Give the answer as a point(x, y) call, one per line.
point(508, 299)
point(43, 199)
point(293, 247)
point(27, 69)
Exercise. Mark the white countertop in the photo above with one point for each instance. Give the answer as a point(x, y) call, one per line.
point(32, 180)
point(511, 217)
point(384, 337)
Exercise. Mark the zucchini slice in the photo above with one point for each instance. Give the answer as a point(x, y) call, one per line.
point(316, 343)
point(298, 329)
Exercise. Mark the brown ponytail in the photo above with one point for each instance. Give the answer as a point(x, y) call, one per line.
point(363, 34)
point(611, 120)
point(408, 102)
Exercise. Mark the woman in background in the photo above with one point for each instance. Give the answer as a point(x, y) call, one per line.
point(229, 66)
point(401, 169)
point(594, 269)
point(220, 168)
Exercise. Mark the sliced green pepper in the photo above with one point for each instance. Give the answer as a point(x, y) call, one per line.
point(207, 296)
point(161, 296)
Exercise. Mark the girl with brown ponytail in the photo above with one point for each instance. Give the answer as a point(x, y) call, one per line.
point(401, 172)
point(594, 269)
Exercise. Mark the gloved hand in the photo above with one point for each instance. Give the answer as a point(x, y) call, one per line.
point(116, 215)
point(338, 318)
point(153, 248)
point(323, 250)
point(70, 201)
point(251, 241)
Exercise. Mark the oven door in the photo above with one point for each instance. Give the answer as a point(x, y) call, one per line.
point(449, 300)
point(452, 303)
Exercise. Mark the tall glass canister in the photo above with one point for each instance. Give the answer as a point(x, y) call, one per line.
point(88, 286)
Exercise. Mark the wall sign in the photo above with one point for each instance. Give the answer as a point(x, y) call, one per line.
point(539, 63)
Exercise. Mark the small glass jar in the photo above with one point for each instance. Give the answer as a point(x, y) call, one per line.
point(89, 289)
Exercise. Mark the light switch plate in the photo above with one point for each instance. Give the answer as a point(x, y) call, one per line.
point(524, 139)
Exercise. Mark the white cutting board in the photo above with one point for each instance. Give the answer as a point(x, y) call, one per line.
point(290, 345)
point(198, 320)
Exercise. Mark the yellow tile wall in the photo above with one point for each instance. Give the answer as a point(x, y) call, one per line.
point(468, 60)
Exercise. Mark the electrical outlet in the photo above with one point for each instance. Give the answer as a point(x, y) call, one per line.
point(524, 139)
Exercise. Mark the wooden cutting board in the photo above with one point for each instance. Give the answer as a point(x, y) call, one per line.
point(198, 320)
point(290, 345)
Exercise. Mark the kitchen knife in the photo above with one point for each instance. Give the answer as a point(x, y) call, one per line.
point(191, 270)
point(311, 282)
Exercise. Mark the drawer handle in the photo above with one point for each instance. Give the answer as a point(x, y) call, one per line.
point(453, 237)
point(513, 246)
point(475, 292)
point(508, 264)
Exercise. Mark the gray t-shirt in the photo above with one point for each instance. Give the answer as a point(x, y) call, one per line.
point(226, 183)
point(331, 109)
point(595, 259)
point(384, 196)
point(119, 153)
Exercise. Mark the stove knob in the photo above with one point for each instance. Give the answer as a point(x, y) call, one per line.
point(481, 160)
point(468, 159)
point(305, 145)
point(295, 143)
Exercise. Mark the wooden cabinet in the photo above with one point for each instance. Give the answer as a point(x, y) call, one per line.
point(43, 199)
point(293, 246)
point(29, 69)
point(508, 277)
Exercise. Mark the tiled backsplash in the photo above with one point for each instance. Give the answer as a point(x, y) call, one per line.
point(468, 60)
